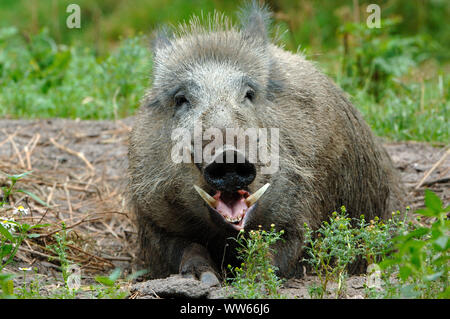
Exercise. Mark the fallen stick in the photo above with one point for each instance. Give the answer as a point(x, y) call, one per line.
point(91, 255)
point(34, 252)
point(69, 203)
point(437, 181)
point(22, 163)
point(72, 152)
point(29, 149)
point(9, 136)
point(431, 170)
point(84, 220)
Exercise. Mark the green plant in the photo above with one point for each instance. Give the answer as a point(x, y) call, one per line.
point(390, 81)
point(111, 286)
point(29, 289)
point(375, 237)
point(71, 272)
point(419, 265)
point(412, 262)
point(60, 249)
point(377, 57)
point(256, 277)
point(52, 80)
point(341, 242)
point(12, 233)
point(44, 74)
point(7, 286)
point(330, 250)
point(8, 190)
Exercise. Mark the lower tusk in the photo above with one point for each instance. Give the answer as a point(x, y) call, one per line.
point(206, 197)
point(252, 199)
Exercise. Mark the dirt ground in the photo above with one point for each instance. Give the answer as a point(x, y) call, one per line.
point(79, 170)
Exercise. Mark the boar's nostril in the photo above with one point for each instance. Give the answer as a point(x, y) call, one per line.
point(229, 176)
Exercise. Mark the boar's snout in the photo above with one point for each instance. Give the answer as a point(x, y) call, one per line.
point(230, 171)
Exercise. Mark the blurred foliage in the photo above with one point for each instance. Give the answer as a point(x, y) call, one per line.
point(39, 78)
point(397, 75)
point(310, 23)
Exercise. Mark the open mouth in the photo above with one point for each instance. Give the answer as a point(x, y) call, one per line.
point(235, 208)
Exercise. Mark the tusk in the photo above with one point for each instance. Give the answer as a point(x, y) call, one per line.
point(206, 197)
point(252, 199)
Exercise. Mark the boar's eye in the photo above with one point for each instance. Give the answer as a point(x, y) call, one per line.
point(180, 99)
point(250, 95)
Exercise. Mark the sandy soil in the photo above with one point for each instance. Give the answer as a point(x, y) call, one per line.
point(79, 169)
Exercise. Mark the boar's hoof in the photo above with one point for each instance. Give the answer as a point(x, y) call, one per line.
point(209, 279)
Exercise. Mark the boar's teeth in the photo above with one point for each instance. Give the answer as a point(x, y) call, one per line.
point(257, 195)
point(206, 197)
point(233, 220)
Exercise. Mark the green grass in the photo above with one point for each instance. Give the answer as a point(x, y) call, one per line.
point(400, 115)
point(39, 78)
point(398, 80)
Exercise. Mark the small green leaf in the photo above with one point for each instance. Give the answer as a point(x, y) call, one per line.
point(4, 277)
point(40, 226)
point(136, 274)
point(33, 196)
point(18, 176)
point(115, 274)
point(6, 233)
point(5, 250)
point(434, 276)
point(433, 201)
point(404, 272)
point(104, 280)
point(418, 233)
point(33, 235)
point(25, 227)
point(10, 288)
point(445, 294)
point(428, 212)
point(441, 242)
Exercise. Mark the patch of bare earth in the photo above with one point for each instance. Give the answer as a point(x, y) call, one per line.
point(79, 170)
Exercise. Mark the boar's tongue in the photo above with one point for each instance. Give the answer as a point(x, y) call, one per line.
point(232, 206)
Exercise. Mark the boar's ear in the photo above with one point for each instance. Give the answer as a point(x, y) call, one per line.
point(161, 39)
point(255, 20)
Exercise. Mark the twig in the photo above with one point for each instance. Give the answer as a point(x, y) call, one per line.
point(91, 255)
point(111, 231)
point(437, 181)
point(28, 151)
point(118, 258)
point(9, 136)
point(11, 139)
point(72, 152)
point(69, 203)
point(72, 226)
point(428, 173)
point(50, 195)
point(34, 252)
point(40, 220)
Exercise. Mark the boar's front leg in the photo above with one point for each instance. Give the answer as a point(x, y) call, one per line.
point(165, 255)
point(196, 262)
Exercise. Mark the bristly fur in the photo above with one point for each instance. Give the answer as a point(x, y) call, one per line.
point(255, 20)
point(328, 155)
